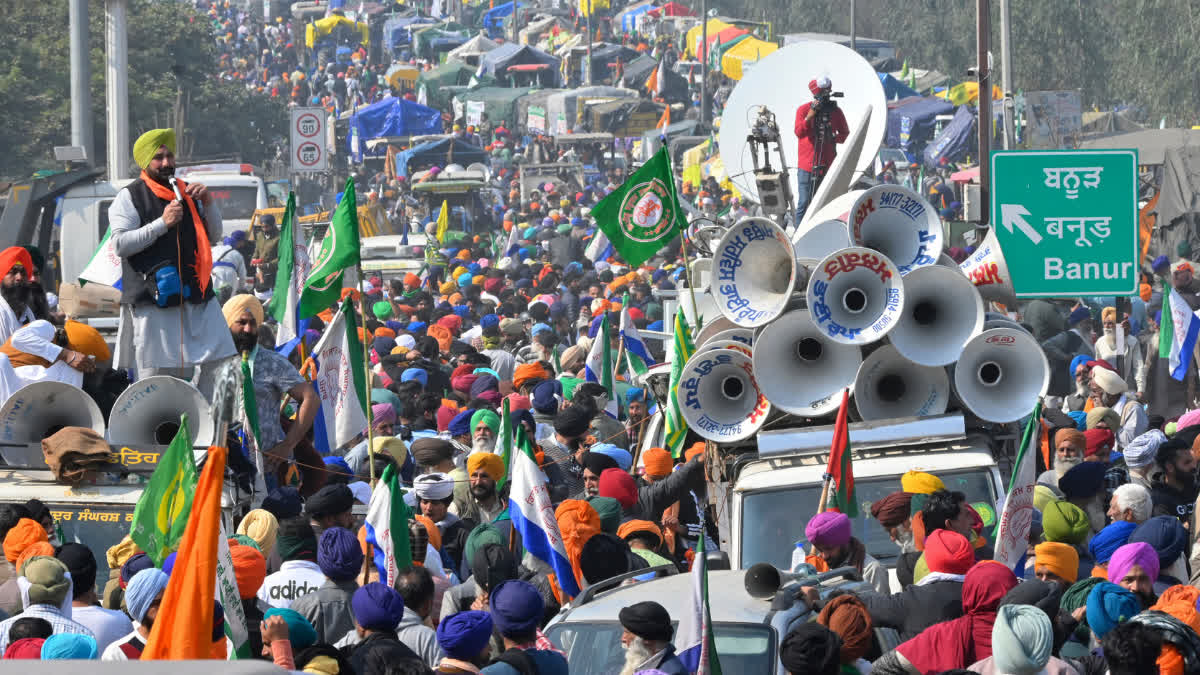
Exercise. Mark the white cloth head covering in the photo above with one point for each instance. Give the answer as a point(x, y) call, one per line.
point(1142, 450)
point(1109, 381)
point(406, 341)
point(434, 486)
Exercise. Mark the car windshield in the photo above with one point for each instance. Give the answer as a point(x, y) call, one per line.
point(236, 202)
point(98, 527)
point(595, 648)
point(771, 528)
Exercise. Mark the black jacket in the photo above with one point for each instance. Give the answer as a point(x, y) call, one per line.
point(915, 608)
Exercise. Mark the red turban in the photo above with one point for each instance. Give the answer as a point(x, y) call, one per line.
point(15, 255)
point(949, 552)
point(619, 485)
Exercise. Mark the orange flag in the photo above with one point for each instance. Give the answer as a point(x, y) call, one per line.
point(184, 627)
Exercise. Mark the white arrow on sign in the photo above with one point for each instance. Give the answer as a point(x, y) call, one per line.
point(1011, 214)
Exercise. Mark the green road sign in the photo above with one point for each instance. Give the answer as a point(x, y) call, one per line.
point(1067, 221)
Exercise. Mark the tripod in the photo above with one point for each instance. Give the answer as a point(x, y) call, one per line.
point(823, 121)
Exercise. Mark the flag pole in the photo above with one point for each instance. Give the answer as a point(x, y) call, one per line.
point(687, 271)
point(362, 310)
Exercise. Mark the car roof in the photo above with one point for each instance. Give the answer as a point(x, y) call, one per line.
point(728, 600)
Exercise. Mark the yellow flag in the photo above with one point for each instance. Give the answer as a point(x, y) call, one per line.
point(443, 223)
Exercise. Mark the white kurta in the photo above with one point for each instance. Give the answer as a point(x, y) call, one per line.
point(150, 337)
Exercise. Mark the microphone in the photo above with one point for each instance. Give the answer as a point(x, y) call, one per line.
point(175, 187)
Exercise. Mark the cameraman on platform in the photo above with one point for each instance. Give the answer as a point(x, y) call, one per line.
point(807, 130)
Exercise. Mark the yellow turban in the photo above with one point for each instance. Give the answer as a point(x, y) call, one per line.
point(145, 147)
point(87, 340)
point(242, 302)
point(395, 447)
point(122, 551)
point(490, 462)
point(1108, 314)
point(921, 483)
point(261, 526)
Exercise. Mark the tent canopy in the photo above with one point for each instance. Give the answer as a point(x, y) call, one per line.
point(955, 140)
point(476, 46)
point(497, 61)
point(393, 117)
point(628, 16)
point(733, 62)
point(725, 35)
point(566, 102)
point(894, 89)
point(693, 34)
point(500, 103)
point(672, 9)
point(910, 124)
point(441, 153)
point(395, 33)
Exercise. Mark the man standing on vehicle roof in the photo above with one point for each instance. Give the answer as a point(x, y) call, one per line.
point(810, 168)
point(168, 309)
point(266, 249)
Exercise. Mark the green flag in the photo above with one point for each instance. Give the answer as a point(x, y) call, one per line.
point(1166, 324)
point(643, 215)
point(161, 513)
point(504, 442)
point(339, 250)
point(288, 284)
point(682, 349)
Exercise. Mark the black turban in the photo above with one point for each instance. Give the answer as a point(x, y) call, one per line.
point(572, 422)
point(647, 620)
point(604, 556)
point(330, 500)
point(597, 463)
point(811, 649)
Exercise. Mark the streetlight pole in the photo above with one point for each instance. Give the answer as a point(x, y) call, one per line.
point(983, 42)
point(1010, 124)
point(703, 61)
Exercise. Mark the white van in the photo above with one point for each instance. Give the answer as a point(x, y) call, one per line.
point(237, 194)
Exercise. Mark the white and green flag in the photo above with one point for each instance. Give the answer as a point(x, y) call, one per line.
point(339, 251)
point(682, 348)
point(341, 381)
point(293, 271)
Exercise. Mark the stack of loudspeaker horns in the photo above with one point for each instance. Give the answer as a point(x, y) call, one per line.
point(888, 317)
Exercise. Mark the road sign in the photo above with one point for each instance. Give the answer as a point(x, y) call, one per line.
point(308, 140)
point(1067, 221)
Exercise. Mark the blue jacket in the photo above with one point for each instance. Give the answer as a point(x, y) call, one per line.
point(547, 662)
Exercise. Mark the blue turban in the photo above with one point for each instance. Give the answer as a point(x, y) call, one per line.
point(489, 320)
point(623, 459)
point(135, 564)
point(300, 631)
point(461, 424)
point(451, 252)
point(377, 607)
point(338, 465)
point(1166, 535)
point(1159, 263)
point(461, 311)
point(523, 416)
point(1078, 314)
point(284, 503)
point(394, 325)
point(635, 394)
point(69, 646)
point(474, 268)
point(546, 396)
point(464, 279)
point(417, 326)
point(169, 562)
point(1112, 537)
point(484, 383)
point(1083, 480)
point(383, 345)
point(656, 325)
point(1075, 362)
point(523, 283)
point(516, 606)
point(1080, 418)
point(417, 374)
point(339, 554)
point(595, 327)
point(540, 328)
point(464, 635)
point(658, 275)
point(1108, 605)
point(142, 589)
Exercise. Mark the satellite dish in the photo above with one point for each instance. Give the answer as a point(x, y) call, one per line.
point(797, 64)
point(838, 179)
point(837, 209)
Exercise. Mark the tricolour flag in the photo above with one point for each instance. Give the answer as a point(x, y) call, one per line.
point(105, 265)
point(231, 601)
point(840, 469)
point(387, 526)
point(504, 441)
point(532, 514)
point(636, 353)
point(292, 271)
point(643, 215)
point(599, 248)
point(341, 381)
point(443, 223)
point(599, 366)
point(682, 348)
point(183, 629)
point(1012, 529)
point(697, 644)
point(339, 250)
point(161, 514)
point(1184, 327)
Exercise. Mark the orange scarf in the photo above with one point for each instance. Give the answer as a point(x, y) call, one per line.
point(203, 249)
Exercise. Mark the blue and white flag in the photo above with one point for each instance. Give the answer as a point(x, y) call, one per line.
point(532, 514)
point(105, 265)
point(695, 640)
point(1183, 342)
point(599, 367)
point(636, 352)
point(599, 248)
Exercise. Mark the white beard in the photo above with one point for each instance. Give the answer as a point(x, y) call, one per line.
point(1062, 466)
point(480, 445)
point(635, 655)
point(906, 541)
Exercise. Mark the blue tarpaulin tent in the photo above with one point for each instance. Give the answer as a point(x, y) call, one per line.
point(442, 152)
point(894, 89)
point(390, 117)
point(910, 124)
point(395, 32)
point(955, 140)
point(493, 19)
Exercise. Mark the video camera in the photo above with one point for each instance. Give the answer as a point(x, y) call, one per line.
point(826, 98)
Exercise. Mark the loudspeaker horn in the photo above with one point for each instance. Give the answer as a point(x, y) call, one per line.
point(821, 240)
point(987, 269)
point(753, 272)
point(855, 296)
point(898, 223)
point(764, 579)
point(719, 396)
point(1000, 374)
point(38, 410)
point(743, 336)
point(942, 311)
point(888, 385)
point(798, 366)
point(147, 414)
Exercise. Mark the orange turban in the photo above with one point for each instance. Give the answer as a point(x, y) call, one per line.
point(658, 462)
point(847, 616)
point(24, 534)
point(384, 331)
point(87, 340)
point(1144, 292)
point(411, 279)
point(527, 372)
point(578, 522)
point(490, 462)
point(464, 255)
point(1062, 559)
point(16, 255)
point(455, 299)
point(629, 527)
point(432, 531)
point(33, 550)
point(696, 450)
point(249, 567)
point(362, 334)
point(442, 335)
point(352, 292)
point(326, 316)
point(1180, 602)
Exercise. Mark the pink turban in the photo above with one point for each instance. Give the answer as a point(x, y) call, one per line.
point(828, 530)
point(1127, 556)
point(383, 413)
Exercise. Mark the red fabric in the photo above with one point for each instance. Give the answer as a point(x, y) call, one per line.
point(807, 135)
point(619, 485)
point(13, 255)
point(840, 467)
point(1098, 440)
point(960, 642)
point(949, 552)
point(25, 648)
point(203, 248)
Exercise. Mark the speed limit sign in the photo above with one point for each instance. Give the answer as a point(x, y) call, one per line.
point(308, 140)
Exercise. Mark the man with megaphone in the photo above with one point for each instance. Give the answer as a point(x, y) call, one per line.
point(820, 125)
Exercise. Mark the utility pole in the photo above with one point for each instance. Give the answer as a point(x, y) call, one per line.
point(81, 77)
point(587, 68)
point(116, 86)
point(983, 34)
point(703, 61)
point(1010, 124)
point(853, 33)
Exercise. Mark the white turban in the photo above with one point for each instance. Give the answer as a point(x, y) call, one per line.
point(1109, 381)
point(1142, 450)
point(434, 486)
